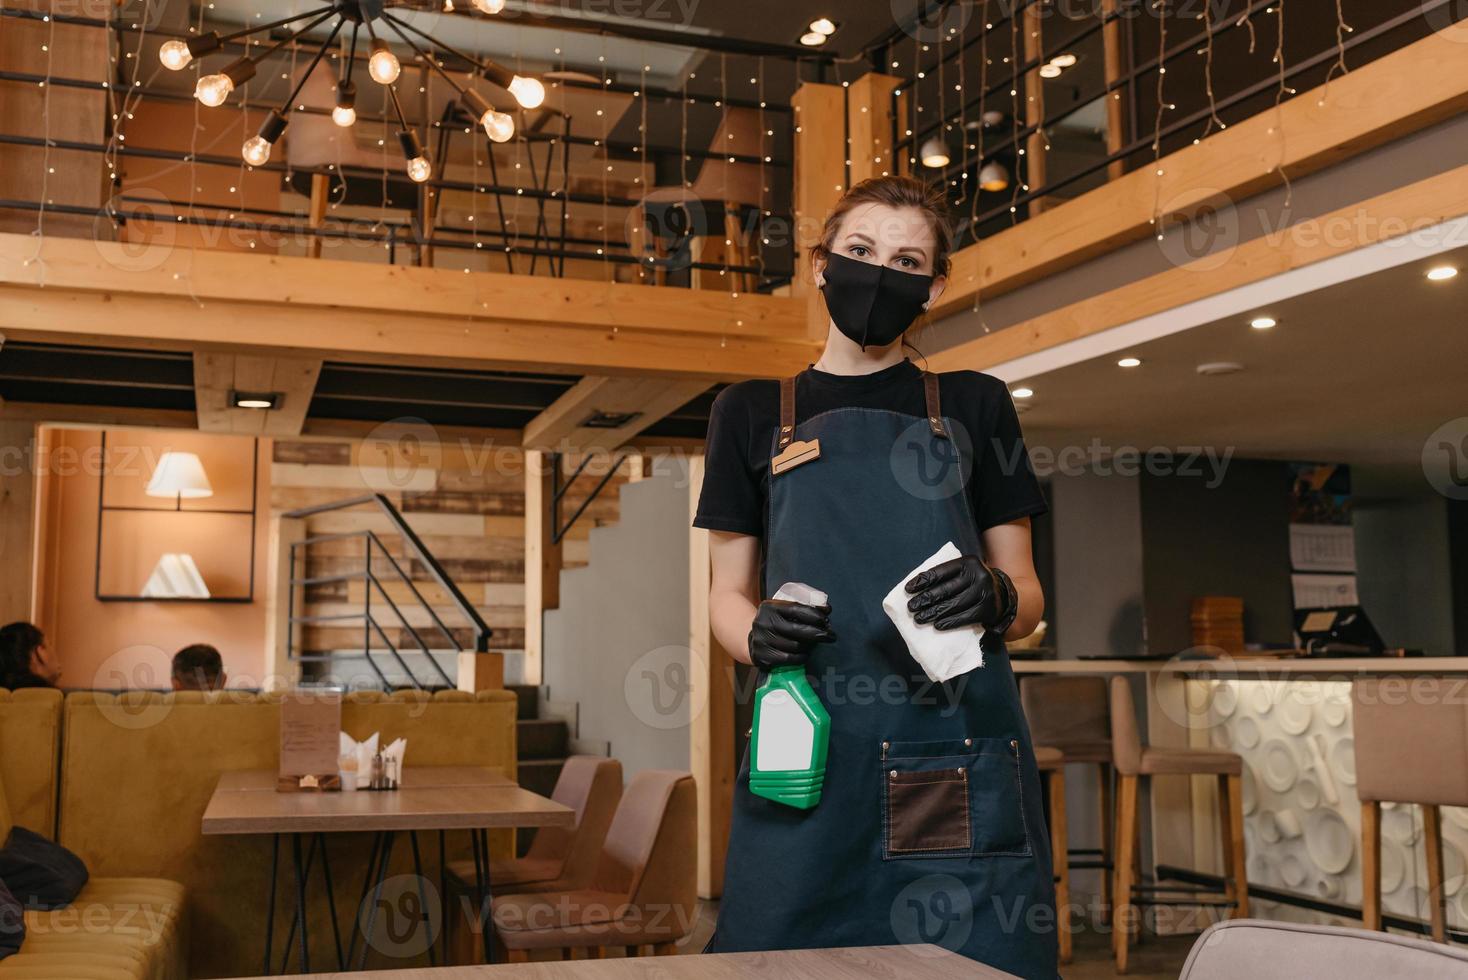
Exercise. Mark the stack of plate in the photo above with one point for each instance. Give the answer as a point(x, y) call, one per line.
point(1218, 621)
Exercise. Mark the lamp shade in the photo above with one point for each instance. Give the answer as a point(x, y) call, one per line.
point(180, 475)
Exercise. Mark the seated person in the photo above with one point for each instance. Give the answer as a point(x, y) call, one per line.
point(198, 668)
point(23, 659)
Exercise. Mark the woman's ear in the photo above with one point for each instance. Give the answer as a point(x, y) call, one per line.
point(818, 268)
point(940, 283)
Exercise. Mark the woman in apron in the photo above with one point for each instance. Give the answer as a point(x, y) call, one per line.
point(930, 827)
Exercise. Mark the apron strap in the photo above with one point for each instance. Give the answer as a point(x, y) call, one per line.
point(935, 408)
point(787, 411)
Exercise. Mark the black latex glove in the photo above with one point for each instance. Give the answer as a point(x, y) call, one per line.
point(784, 632)
point(961, 592)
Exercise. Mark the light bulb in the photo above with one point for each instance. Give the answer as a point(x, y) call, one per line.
point(212, 90)
point(823, 25)
point(256, 151)
point(489, 6)
point(527, 91)
point(812, 39)
point(175, 54)
point(498, 126)
point(419, 169)
point(344, 115)
point(383, 66)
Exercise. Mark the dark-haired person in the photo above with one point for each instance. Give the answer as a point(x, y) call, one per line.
point(198, 667)
point(23, 658)
point(929, 827)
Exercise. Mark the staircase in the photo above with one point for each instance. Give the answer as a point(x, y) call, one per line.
point(358, 616)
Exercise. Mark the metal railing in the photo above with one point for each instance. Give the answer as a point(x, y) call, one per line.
point(374, 548)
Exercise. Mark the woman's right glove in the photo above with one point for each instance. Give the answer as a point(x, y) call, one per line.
point(784, 632)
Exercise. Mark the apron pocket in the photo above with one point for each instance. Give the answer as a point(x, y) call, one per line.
point(959, 798)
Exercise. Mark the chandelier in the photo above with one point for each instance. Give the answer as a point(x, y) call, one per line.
point(382, 67)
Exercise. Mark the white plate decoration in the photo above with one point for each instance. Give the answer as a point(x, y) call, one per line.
point(1343, 760)
point(1294, 714)
point(1330, 842)
point(1280, 767)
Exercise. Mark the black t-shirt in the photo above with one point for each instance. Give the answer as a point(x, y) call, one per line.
point(1002, 486)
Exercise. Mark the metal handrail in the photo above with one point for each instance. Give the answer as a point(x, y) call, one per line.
point(441, 578)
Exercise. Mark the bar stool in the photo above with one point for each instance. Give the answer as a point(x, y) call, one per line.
point(1051, 763)
point(1410, 748)
point(1073, 715)
point(1135, 762)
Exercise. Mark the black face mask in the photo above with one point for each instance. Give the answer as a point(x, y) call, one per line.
point(872, 304)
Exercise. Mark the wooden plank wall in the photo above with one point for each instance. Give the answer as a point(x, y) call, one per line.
point(465, 501)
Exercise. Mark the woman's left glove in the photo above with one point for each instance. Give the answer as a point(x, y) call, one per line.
point(963, 592)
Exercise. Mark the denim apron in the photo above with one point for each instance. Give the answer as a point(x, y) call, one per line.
point(930, 827)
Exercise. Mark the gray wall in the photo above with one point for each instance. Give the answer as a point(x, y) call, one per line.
point(1096, 607)
point(617, 648)
point(1403, 558)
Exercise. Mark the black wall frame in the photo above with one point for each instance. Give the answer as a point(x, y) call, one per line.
point(102, 511)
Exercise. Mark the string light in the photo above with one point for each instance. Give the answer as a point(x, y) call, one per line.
point(1161, 7)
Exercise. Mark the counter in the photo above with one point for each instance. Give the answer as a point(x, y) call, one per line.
point(1290, 720)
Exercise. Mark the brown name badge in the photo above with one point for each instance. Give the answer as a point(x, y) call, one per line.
point(795, 454)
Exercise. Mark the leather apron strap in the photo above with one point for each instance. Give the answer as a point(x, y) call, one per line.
point(935, 405)
point(787, 412)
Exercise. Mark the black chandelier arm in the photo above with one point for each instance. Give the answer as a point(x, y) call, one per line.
point(285, 107)
point(431, 61)
point(483, 66)
point(392, 91)
point(277, 23)
point(257, 59)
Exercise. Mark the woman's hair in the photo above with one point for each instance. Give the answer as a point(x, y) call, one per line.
point(18, 641)
point(894, 191)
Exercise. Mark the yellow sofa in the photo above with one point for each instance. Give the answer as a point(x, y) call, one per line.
point(118, 928)
point(137, 770)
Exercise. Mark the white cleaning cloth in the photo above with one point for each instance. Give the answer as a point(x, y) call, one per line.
point(943, 654)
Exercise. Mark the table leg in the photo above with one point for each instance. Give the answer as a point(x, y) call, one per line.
point(270, 900)
point(483, 893)
point(300, 869)
point(336, 931)
point(387, 842)
point(423, 896)
point(443, 897)
point(367, 878)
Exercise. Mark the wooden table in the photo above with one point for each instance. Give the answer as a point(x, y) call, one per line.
point(904, 962)
point(430, 799)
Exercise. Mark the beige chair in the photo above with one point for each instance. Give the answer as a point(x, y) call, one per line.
point(1073, 716)
point(1051, 763)
point(1259, 950)
point(645, 888)
point(1411, 747)
point(1134, 762)
point(562, 857)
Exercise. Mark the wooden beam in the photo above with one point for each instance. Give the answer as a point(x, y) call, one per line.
point(217, 374)
point(1114, 66)
point(1033, 172)
point(1396, 213)
point(820, 180)
point(711, 691)
point(560, 427)
point(870, 121)
point(17, 515)
point(396, 314)
point(542, 559)
point(1399, 93)
point(316, 217)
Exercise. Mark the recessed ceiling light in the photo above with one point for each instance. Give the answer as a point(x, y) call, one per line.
point(1262, 322)
point(1129, 362)
point(812, 39)
point(1023, 393)
point(1052, 70)
point(1440, 273)
point(823, 25)
point(260, 400)
point(1063, 60)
